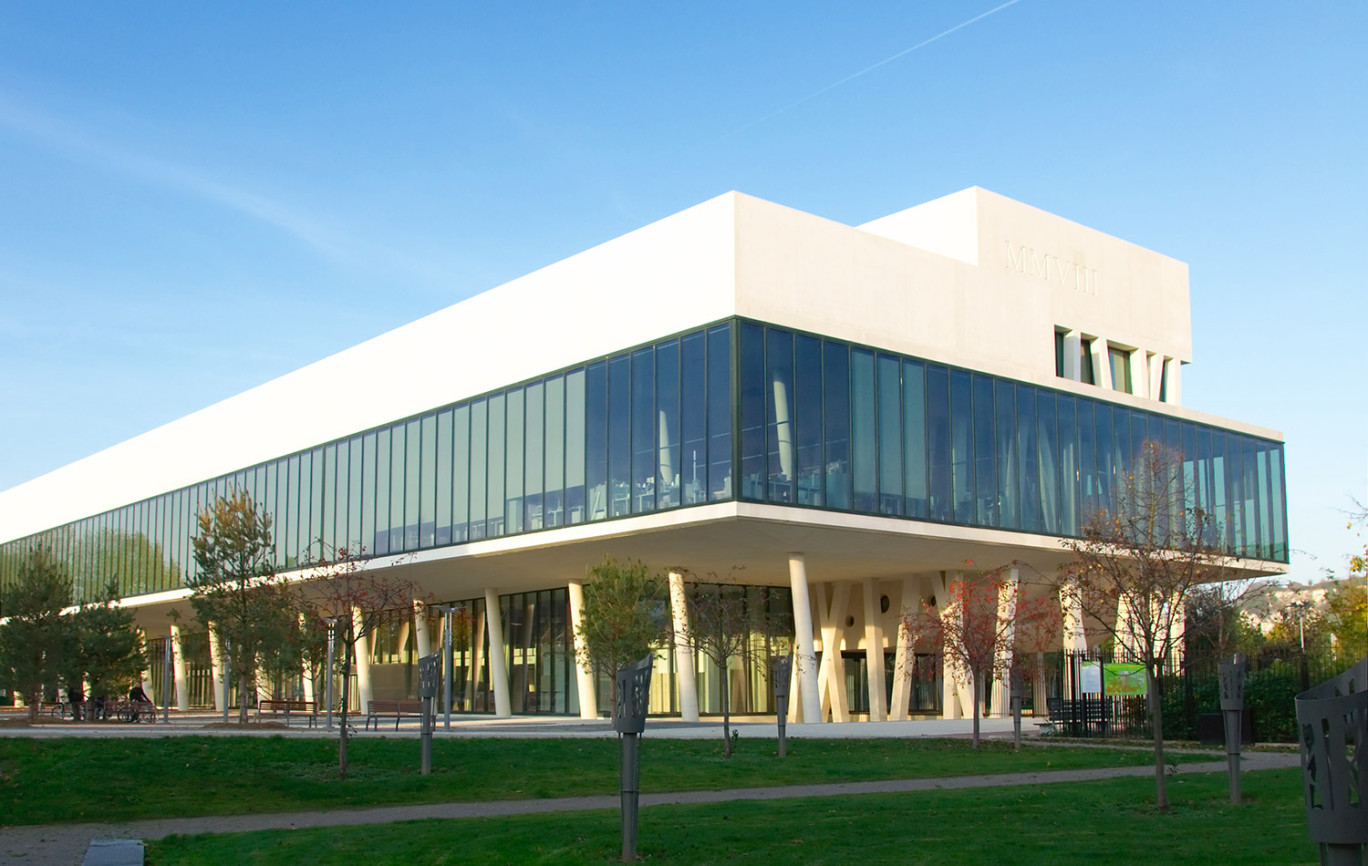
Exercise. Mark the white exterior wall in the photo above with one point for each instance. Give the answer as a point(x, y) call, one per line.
point(972, 279)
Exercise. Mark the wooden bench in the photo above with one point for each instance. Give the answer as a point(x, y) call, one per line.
point(276, 706)
point(376, 710)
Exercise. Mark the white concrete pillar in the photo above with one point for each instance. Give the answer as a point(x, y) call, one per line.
point(874, 654)
point(305, 673)
point(1071, 604)
point(1073, 355)
point(684, 657)
point(905, 658)
point(364, 693)
point(1139, 371)
point(831, 671)
point(1173, 387)
point(1101, 361)
point(1007, 610)
point(148, 687)
point(957, 694)
point(498, 667)
point(584, 679)
point(179, 670)
point(422, 635)
point(216, 668)
point(805, 698)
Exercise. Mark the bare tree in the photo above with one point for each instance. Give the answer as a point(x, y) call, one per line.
point(342, 590)
point(978, 627)
point(722, 624)
point(1136, 565)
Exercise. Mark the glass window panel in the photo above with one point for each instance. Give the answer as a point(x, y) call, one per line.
point(1087, 460)
point(719, 413)
point(863, 453)
point(397, 478)
point(1191, 491)
point(426, 512)
point(1220, 493)
point(413, 480)
point(962, 446)
point(619, 436)
point(938, 443)
point(890, 435)
point(693, 419)
point(292, 502)
point(779, 457)
point(1068, 464)
point(316, 506)
point(443, 481)
point(577, 445)
point(370, 476)
point(914, 438)
point(645, 444)
point(1008, 462)
point(355, 539)
point(1262, 501)
point(553, 506)
point(515, 460)
point(479, 468)
point(328, 470)
point(1250, 491)
point(668, 472)
point(752, 411)
point(1106, 457)
point(1026, 449)
point(985, 462)
point(341, 491)
point(1047, 464)
point(534, 454)
point(1279, 505)
point(807, 427)
point(461, 482)
point(498, 432)
point(596, 439)
point(836, 391)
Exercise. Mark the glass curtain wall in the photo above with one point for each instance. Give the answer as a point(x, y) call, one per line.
point(867, 431)
point(807, 422)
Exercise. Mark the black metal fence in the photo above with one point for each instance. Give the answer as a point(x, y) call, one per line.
point(1190, 693)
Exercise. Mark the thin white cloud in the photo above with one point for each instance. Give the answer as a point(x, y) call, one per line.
point(324, 238)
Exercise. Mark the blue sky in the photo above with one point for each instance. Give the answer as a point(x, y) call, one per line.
point(195, 199)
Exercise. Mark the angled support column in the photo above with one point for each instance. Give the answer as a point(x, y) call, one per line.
point(804, 654)
point(364, 693)
point(874, 656)
point(181, 673)
point(216, 668)
point(498, 668)
point(831, 672)
point(684, 659)
point(905, 658)
point(584, 679)
point(1007, 604)
point(422, 635)
point(957, 696)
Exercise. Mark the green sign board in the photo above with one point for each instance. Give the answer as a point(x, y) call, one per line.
point(1123, 679)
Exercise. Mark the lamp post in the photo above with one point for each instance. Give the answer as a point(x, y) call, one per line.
point(332, 631)
point(447, 611)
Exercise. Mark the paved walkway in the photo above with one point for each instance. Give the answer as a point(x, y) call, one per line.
point(67, 843)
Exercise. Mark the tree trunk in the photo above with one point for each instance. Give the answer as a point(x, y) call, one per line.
point(978, 703)
point(726, 715)
point(35, 699)
point(1156, 708)
point(346, 702)
point(243, 684)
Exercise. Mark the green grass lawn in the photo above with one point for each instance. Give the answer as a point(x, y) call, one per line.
point(1107, 821)
point(88, 779)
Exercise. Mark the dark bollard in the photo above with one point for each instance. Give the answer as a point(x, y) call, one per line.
point(429, 672)
point(629, 720)
point(783, 671)
point(1330, 718)
point(1232, 705)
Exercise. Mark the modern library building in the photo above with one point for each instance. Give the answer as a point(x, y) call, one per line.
point(837, 422)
